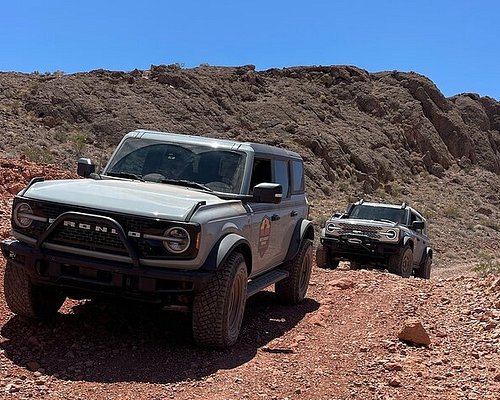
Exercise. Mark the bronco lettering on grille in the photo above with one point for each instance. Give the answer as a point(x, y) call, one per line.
point(97, 228)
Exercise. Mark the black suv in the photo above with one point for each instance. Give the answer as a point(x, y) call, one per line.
point(383, 235)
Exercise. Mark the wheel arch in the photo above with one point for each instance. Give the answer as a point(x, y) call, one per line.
point(408, 241)
point(304, 229)
point(224, 247)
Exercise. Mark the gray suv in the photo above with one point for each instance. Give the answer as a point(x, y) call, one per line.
point(384, 235)
point(189, 223)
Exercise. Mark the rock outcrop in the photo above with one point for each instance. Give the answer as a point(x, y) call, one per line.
point(350, 125)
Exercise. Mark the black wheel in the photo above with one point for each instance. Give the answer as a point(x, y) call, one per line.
point(402, 264)
point(28, 300)
point(293, 289)
point(353, 265)
point(218, 310)
point(425, 270)
point(324, 258)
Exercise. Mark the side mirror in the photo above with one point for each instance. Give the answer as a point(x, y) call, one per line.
point(85, 167)
point(418, 225)
point(268, 193)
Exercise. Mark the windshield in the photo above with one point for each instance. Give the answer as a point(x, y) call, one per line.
point(378, 213)
point(186, 164)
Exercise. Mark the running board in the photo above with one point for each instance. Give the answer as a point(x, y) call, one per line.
point(263, 281)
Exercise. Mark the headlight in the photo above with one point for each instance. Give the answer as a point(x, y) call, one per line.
point(391, 234)
point(332, 228)
point(23, 215)
point(177, 240)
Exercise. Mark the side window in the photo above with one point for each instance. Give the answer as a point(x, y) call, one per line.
point(297, 177)
point(281, 176)
point(415, 217)
point(261, 172)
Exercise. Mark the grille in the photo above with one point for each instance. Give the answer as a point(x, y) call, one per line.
point(368, 230)
point(108, 242)
point(89, 240)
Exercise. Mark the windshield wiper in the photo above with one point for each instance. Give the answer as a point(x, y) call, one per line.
point(183, 182)
point(386, 220)
point(127, 175)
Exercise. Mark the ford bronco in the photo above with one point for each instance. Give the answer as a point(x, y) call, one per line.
point(384, 235)
point(186, 222)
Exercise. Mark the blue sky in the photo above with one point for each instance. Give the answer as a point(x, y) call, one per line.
point(455, 43)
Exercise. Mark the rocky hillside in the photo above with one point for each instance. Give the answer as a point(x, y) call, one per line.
point(350, 125)
point(388, 136)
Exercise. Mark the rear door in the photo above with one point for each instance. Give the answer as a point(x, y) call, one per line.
point(421, 241)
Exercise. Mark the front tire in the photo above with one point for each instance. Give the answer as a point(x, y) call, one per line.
point(218, 310)
point(324, 259)
point(28, 300)
point(402, 264)
point(292, 290)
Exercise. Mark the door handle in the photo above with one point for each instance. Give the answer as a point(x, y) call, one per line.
point(275, 217)
point(294, 213)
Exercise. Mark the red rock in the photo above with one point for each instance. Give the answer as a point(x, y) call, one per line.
point(342, 283)
point(414, 332)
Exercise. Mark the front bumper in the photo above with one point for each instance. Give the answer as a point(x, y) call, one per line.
point(359, 248)
point(80, 276)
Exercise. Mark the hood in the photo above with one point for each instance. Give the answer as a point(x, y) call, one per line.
point(146, 199)
point(371, 222)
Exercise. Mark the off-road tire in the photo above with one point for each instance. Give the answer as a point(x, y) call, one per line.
point(292, 290)
point(353, 265)
point(402, 264)
point(28, 300)
point(324, 260)
point(218, 310)
point(424, 271)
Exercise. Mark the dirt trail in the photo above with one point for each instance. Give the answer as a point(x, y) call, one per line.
point(340, 343)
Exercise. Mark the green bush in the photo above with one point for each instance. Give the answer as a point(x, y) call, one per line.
point(488, 265)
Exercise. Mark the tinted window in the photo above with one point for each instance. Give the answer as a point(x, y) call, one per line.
point(281, 175)
point(297, 176)
point(261, 172)
point(220, 170)
point(378, 213)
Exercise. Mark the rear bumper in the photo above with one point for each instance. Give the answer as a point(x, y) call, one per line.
point(359, 249)
point(80, 275)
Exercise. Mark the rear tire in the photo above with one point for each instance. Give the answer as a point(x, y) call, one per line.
point(353, 265)
point(218, 310)
point(424, 271)
point(28, 300)
point(402, 264)
point(324, 259)
point(292, 290)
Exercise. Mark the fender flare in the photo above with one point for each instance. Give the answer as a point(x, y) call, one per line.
point(408, 240)
point(224, 247)
point(428, 253)
point(304, 229)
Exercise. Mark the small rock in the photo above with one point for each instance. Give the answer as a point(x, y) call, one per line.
point(11, 388)
point(342, 283)
point(414, 332)
point(393, 366)
point(395, 382)
point(33, 366)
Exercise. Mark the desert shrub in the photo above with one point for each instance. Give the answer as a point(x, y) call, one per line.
point(79, 142)
point(39, 155)
point(452, 211)
point(488, 265)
